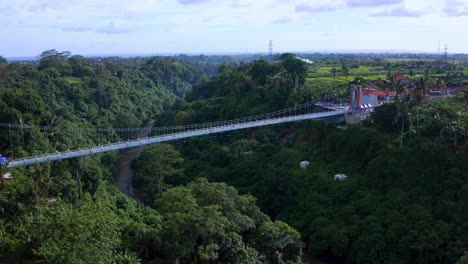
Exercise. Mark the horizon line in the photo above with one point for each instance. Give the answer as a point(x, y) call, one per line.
point(150, 54)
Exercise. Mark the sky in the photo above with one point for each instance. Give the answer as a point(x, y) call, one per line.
point(90, 27)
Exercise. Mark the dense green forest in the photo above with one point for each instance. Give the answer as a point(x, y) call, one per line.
point(237, 197)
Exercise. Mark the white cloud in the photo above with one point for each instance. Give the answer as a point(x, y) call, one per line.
point(319, 6)
point(115, 28)
point(400, 11)
point(367, 3)
point(76, 29)
point(217, 25)
point(456, 7)
point(284, 20)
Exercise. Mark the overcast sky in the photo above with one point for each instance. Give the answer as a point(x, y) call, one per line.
point(196, 26)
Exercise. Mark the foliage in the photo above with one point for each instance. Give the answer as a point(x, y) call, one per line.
point(406, 168)
point(210, 222)
point(404, 201)
point(155, 167)
point(463, 259)
point(64, 234)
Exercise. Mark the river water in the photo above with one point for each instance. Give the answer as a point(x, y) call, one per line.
point(124, 174)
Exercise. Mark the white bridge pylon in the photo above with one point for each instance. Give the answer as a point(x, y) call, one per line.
point(234, 125)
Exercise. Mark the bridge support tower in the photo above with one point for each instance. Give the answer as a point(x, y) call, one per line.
point(355, 100)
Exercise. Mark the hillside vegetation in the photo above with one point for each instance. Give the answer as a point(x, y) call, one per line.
point(237, 197)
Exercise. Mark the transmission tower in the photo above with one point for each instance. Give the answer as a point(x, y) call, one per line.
point(438, 50)
point(446, 52)
point(270, 48)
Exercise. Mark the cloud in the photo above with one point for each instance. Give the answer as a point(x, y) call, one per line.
point(317, 7)
point(367, 3)
point(283, 20)
point(191, 2)
point(76, 29)
point(238, 3)
point(138, 10)
point(115, 28)
point(400, 11)
point(42, 6)
point(456, 8)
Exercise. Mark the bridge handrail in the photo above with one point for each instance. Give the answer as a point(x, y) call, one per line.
point(169, 128)
point(111, 145)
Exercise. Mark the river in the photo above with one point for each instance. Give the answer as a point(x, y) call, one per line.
point(124, 174)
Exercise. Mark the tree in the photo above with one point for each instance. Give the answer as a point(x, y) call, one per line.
point(155, 166)
point(62, 233)
point(57, 60)
point(463, 259)
point(295, 67)
point(80, 66)
point(421, 86)
point(260, 70)
point(211, 222)
point(126, 120)
point(441, 85)
point(345, 70)
point(385, 117)
point(280, 242)
point(3, 60)
point(333, 72)
point(395, 84)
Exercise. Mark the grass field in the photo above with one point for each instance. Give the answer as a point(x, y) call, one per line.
point(342, 79)
point(325, 69)
point(355, 71)
point(408, 59)
point(465, 71)
point(365, 70)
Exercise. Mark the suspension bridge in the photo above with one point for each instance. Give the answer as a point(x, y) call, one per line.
point(308, 111)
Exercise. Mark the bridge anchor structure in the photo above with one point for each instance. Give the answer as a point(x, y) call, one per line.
point(320, 109)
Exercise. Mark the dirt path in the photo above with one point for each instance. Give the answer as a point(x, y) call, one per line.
point(123, 176)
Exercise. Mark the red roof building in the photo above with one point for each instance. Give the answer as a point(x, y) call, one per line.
point(400, 76)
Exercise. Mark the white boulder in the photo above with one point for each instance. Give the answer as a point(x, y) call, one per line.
point(304, 164)
point(340, 177)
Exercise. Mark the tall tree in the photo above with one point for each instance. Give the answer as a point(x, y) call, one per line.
point(154, 166)
point(333, 72)
point(345, 71)
point(55, 60)
point(211, 223)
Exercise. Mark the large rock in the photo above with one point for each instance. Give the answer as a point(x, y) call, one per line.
point(304, 164)
point(340, 177)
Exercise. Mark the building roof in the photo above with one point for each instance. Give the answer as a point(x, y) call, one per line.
point(457, 89)
point(400, 76)
point(377, 92)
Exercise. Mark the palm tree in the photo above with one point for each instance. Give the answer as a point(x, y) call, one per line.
point(395, 84)
point(426, 78)
point(421, 88)
point(333, 72)
point(346, 72)
point(441, 85)
point(41, 181)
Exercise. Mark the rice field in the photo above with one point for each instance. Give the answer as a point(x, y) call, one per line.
point(367, 72)
point(408, 59)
